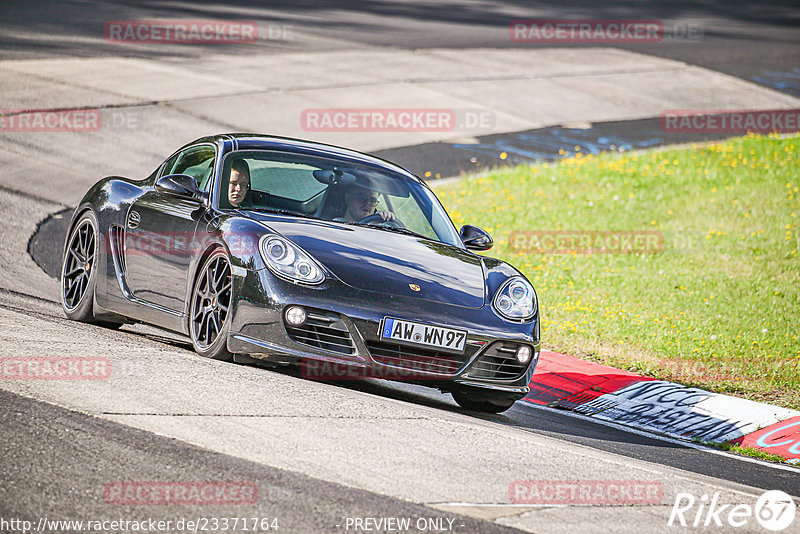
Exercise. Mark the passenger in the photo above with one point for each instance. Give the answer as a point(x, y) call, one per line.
point(239, 184)
point(360, 203)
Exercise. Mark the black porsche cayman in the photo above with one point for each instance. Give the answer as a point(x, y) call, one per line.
point(273, 248)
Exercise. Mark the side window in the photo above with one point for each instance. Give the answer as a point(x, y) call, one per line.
point(197, 162)
point(170, 164)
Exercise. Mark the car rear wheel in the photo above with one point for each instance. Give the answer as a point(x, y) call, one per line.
point(209, 317)
point(78, 270)
point(466, 401)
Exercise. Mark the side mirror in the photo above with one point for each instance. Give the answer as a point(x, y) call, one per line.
point(475, 238)
point(181, 185)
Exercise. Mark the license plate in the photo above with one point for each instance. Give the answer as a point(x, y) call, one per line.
point(423, 335)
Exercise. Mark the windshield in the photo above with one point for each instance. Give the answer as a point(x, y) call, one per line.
point(332, 190)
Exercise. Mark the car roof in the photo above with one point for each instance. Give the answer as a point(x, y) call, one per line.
point(251, 141)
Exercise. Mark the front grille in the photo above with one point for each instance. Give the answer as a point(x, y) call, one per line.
point(417, 358)
point(499, 362)
point(323, 330)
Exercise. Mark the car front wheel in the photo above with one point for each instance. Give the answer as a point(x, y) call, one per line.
point(209, 317)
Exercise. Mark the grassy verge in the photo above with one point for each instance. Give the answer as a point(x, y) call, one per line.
point(749, 451)
point(718, 307)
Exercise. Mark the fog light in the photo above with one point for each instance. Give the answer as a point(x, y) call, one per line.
point(295, 316)
point(523, 354)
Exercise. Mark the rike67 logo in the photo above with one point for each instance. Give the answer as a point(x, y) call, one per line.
point(774, 511)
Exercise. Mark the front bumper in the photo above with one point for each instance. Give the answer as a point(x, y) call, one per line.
point(344, 343)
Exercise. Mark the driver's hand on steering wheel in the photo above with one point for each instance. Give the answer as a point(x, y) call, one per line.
point(386, 215)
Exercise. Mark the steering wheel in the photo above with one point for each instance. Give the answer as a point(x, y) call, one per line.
point(377, 220)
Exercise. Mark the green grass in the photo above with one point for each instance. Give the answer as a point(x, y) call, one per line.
point(752, 452)
point(717, 308)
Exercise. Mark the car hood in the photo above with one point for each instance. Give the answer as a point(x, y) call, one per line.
point(387, 262)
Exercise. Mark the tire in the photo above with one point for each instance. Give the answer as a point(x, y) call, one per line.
point(209, 317)
point(78, 269)
point(481, 405)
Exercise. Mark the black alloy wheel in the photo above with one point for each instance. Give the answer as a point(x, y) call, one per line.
point(78, 269)
point(209, 317)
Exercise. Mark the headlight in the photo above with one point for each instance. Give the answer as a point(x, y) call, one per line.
point(516, 299)
point(287, 260)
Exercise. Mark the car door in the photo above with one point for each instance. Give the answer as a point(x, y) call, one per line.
point(160, 234)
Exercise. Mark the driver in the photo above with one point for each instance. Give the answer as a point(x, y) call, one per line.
point(239, 183)
point(360, 203)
